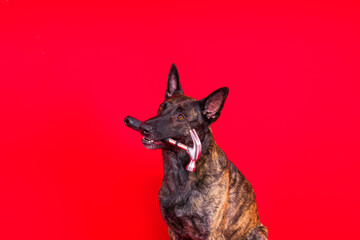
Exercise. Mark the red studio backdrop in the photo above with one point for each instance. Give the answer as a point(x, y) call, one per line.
point(70, 71)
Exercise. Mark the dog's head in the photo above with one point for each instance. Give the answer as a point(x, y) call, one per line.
point(178, 114)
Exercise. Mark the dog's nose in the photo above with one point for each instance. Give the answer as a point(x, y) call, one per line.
point(145, 129)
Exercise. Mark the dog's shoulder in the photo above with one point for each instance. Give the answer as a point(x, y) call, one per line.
point(239, 185)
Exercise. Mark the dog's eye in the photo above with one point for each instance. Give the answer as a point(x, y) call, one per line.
point(180, 116)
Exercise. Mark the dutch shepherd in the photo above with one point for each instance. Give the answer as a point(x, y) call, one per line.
point(215, 201)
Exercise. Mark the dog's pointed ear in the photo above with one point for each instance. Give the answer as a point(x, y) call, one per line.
point(173, 82)
point(212, 105)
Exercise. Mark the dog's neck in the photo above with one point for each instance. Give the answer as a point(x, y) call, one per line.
point(212, 161)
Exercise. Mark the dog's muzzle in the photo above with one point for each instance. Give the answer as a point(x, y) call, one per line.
point(194, 152)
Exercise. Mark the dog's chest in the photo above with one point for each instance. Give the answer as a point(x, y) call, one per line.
point(184, 216)
point(184, 200)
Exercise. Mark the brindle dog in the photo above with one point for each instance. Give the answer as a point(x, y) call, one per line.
point(214, 202)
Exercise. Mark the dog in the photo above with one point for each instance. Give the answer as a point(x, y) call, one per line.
point(215, 201)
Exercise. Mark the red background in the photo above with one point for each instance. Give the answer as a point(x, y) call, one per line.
point(71, 71)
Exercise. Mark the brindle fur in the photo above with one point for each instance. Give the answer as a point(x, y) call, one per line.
point(214, 202)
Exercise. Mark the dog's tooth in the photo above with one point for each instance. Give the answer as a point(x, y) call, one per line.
point(148, 140)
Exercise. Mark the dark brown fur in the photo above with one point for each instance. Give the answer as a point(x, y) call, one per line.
point(215, 201)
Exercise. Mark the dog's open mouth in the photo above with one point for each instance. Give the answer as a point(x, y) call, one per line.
point(152, 144)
